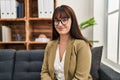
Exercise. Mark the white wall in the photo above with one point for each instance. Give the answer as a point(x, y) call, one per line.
point(83, 10)
point(99, 28)
point(99, 32)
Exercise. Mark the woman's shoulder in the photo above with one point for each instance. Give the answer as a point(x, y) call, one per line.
point(51, 43)
point(80, 43)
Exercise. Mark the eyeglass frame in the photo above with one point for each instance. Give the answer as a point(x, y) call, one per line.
point(61, 20)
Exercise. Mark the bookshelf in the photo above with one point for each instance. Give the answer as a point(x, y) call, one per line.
point(29, 26)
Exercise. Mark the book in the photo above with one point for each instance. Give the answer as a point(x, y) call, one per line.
point(7, 8)
point(40, 9)
point(3, 8)
point(20, 10)
point(13, 8)
point(50, 8)
point(6, 33)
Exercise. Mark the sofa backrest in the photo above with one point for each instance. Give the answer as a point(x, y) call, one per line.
point(6, 63)
point(96, 60)
point(28, 64)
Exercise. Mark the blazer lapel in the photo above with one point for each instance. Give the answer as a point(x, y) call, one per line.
point(52, 57)
point(67, 58)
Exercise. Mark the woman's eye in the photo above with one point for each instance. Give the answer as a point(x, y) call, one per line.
point(64, 20)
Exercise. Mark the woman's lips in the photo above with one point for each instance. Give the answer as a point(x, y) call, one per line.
point(60, 29)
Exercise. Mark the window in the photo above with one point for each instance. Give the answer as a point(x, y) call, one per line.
point(113, 32)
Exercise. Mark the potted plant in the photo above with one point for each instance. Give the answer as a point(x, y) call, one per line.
point(88, 23)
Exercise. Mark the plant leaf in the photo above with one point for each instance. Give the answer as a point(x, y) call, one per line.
point(87, 23)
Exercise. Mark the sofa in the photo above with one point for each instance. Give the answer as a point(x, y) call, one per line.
point(27, 64)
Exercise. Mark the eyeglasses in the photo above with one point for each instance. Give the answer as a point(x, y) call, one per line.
point(64, 21)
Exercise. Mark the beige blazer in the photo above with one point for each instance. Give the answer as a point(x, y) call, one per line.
point(77, 61)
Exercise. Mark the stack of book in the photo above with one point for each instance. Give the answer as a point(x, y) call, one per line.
point(11, 9)
point(45, 8)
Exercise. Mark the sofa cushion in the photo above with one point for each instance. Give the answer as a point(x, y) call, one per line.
point(107, 73)
point(6, 63)
point(28, 64)
point(96, 59)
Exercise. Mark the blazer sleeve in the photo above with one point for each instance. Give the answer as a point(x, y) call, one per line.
point(83, 62)
point(44, 72)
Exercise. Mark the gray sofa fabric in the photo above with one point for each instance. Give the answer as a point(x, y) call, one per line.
point(28, 64)
point(6, 64)
point(96, 60)
point(106, 73)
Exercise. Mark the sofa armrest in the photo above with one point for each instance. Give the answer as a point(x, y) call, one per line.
point(106, 73)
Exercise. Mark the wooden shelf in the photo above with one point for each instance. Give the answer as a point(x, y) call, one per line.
point(13, 19)
point(29, 27)
point(37, 45)
point(40, 19)
point(33, 42)
point(14, 42)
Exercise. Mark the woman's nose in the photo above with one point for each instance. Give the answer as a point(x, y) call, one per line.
point(60, 23)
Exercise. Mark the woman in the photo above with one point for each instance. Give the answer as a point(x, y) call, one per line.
point(68, 55)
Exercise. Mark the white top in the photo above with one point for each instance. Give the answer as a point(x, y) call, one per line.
point(59, 65)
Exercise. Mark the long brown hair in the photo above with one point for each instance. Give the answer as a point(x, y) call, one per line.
point(66, 11)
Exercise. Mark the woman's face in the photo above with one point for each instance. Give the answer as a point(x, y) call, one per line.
point(63, 25)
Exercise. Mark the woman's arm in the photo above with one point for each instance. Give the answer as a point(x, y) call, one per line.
point(83, 62)
point(44, 72)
